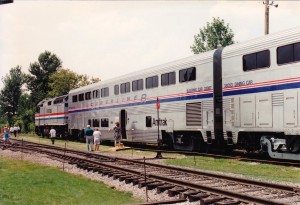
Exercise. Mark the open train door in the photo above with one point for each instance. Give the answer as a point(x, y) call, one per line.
point(123, 123)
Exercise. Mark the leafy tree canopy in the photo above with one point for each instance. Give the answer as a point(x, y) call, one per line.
point(39, 80)
point(10, 94)
point(64, 80)
point(213, 35)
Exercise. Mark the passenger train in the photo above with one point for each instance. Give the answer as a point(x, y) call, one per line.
point(245, 95)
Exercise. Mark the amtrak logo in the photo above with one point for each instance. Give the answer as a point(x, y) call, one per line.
point(162, 122)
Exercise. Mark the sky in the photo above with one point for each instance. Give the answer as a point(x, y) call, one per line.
point(106, 39)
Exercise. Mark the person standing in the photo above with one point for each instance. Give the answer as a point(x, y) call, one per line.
point(97, 135)
point(11, 130)
point(52, 134)
point(117, 133)
point(89, 137)
point(15, 131)
point(6, 135)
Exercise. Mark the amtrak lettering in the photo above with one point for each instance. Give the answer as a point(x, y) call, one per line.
point(162, 122)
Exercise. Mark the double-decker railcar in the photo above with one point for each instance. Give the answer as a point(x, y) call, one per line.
point(261, 96)
point(184, 90)
point(52, 113)
point(246, 95)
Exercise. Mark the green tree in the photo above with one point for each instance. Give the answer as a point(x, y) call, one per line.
point(65, 80)
point(213, 35)
point(39, 80)
point(25, 117)
point(10, 94)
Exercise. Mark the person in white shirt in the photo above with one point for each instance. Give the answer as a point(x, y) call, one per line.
point(52, 134)
point(97, 135)
point(15, 131)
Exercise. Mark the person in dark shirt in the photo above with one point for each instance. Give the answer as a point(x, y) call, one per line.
point(88, 133)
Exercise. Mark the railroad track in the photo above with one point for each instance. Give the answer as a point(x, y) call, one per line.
point(208, 188)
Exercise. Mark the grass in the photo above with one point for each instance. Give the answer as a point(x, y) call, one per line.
point(27, 183)
point(259, 171)
point(254, 170)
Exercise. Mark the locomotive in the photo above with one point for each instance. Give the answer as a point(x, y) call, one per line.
point(245, 95)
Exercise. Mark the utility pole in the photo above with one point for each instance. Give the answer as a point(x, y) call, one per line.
point(267, 7)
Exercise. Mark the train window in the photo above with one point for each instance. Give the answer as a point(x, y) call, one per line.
point(263, 59)
point(125, 87)
point(87, 95)
point(89, 122)
point(66, 104)
point(117, 90)
point(188, 74)
point(104, 122)
point(49, 102)
point(288, 54)
point(137, 85)
point(81, 97)
point(297, 51)
point(96, 94)
point(74, 98)
point(256, 60)
point(58, 100)
point(168, 78)
point(96, 123)
point(38, 109)
point(104, 92)
point(148, 121)
point(152, 82)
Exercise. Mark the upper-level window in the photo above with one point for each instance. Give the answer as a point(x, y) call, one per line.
point(96, 94)
point(87, 95)
point(168, 78)
point(49, 102)
point(256, 60)
point(187, 74)
point(74, 98)
point(288, 54)
point(125, 87)
point(81, 97)
point(152, 82)
point(104, 92)
point(117, 90)
point(137, 85)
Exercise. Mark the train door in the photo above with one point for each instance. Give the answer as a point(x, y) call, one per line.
point(248, 111)
point(290, 108)
point(264, 114)
point(123, 123)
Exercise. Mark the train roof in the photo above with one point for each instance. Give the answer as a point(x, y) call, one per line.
point(250, 46)
point(261, 43)
point(58, 99)
point(159, 69)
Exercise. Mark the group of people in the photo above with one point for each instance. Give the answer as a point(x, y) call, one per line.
point(9, 131)
point(12, 130)
point(93, 136)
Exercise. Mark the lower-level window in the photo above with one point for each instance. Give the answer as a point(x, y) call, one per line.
point(96, 123)
point(104, 122)
point(148, 121)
